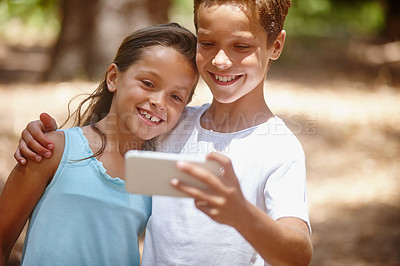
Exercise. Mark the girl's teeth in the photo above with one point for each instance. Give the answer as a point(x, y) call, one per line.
point(155, 119)
point(149, 117)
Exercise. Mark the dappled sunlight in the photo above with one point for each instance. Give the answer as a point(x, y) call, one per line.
point(375, 54)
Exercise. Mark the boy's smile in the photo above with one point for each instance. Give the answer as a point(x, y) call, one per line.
point(225, 79)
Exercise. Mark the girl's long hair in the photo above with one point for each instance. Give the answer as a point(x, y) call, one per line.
point(130, 51)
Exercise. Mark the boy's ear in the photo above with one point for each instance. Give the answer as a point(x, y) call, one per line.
point(112, 74)
point(278, 45)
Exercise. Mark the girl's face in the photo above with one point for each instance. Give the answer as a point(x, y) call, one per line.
point(151, 94)
point(232, 53)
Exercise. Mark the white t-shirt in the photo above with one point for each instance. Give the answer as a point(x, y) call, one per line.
point(270, 165)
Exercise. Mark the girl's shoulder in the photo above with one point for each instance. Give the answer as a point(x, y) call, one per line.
point(58, 139)
point(56, 135)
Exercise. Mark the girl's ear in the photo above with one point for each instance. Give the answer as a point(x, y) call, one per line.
point(278, 45)
point(112, 74)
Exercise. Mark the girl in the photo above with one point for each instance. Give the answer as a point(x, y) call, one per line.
point(79, 210)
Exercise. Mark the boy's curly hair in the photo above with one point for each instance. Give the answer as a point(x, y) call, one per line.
point(271, 13)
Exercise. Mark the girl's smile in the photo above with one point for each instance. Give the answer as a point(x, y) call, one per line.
point(150, 118)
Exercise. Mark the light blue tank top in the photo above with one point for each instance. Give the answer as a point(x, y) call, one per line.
point(85, 217)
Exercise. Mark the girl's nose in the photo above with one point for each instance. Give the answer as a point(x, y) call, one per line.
point(158, 100)
point(221, 60)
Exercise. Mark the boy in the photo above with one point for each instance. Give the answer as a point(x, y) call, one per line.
point(258, 206)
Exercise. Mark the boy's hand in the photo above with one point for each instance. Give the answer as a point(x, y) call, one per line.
point(224, 201)
point(33, 144)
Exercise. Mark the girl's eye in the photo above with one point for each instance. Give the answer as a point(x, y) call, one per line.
point(147, 83)
point(178, 98)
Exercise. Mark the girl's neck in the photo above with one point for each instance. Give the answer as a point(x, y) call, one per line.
point(116, 145)
point(117, 141)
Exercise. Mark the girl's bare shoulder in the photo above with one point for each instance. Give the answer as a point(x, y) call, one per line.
point(56, 136)
point(58, 139)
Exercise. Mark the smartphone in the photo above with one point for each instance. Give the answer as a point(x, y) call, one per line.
point(150, 173)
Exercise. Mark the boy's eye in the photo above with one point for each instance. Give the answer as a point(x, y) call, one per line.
point(147, 83)
point(206, 44)
point(242, 46)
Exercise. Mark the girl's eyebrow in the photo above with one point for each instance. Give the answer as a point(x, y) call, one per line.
point(156, 75)
point(151, 72)
point(181, 88)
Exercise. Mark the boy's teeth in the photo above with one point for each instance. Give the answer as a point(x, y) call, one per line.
point(224, 78)
point(149, 117)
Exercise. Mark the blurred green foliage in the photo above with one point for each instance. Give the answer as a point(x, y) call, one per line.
point(30, 11)
point(335, 18)
point(184, 7)
point(181, 11)
point(32, 17)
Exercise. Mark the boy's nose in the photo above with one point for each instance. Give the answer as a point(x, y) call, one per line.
point(221, 60)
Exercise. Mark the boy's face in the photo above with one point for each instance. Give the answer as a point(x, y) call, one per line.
point(232, 53)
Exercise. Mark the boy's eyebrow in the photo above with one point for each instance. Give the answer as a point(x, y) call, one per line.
point(241, 34)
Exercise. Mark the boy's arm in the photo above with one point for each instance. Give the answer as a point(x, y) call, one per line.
point(22, 191)
point(285, 241)
point(33, 144)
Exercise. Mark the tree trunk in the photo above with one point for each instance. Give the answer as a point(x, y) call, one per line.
point(92, 30)
point(392, 26)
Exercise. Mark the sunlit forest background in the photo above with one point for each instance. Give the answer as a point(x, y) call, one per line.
point(336, 85)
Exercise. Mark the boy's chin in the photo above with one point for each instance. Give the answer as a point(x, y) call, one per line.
point(223, 98)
